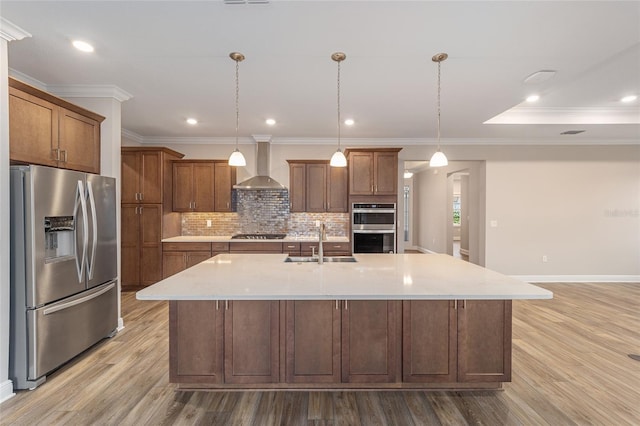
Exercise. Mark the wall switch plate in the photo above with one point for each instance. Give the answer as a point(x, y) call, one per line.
point(208, 223)
point(494, 223)
point(545, 259)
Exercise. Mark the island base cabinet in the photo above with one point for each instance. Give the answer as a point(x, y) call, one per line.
point(484, 341)
point(456, 341)
point(196, 341)
point(252, 341)
point(312, 341)
point(369, 341)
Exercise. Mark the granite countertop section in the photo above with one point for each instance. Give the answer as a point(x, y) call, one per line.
point(373, 276)
point(225, 239)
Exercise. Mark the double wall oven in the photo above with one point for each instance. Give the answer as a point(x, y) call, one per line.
point(373, 227)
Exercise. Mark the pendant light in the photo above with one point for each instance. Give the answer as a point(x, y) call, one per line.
point(338, 159)
point(439, 159)
point(236, 158)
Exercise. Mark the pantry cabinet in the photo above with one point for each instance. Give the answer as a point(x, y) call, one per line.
point(146, 214)
point(50, 131)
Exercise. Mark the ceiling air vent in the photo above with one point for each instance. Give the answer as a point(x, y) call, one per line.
point(572, 132)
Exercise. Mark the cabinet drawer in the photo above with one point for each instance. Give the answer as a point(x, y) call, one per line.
point(291, 248)
point(255, 247)
point(186, 246)
point(220, 247)
point(336, 247)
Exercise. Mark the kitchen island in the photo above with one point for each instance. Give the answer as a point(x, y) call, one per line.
point(404, 321)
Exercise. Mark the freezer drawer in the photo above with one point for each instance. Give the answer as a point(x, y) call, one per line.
point(60, 331)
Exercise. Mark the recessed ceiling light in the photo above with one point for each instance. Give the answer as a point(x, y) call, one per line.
point(349, 122)
point(629, 98)
point(82, 46)
point(192, 121)
point(532, 98)
point(270, 121)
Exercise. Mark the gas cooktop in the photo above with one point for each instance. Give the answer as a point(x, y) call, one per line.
point(258, 236)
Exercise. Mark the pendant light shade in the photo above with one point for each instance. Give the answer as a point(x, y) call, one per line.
point(236, 158)
point(439, 159)
point(338, 159)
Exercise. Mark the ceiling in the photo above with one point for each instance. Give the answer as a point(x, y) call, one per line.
point(172, 57)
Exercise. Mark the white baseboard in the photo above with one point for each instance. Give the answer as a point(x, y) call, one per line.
point(424, 250)
point(579, 278)
point(6, 390)
point(464, 252)
point(120, 324)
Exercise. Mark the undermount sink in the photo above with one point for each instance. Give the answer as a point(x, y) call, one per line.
point(328, 259)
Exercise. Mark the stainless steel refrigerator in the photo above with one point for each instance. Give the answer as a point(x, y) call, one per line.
point(63, 268)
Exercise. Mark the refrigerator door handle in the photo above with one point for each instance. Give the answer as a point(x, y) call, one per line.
point(94, 222)
point(63, 306)
point(81, 202)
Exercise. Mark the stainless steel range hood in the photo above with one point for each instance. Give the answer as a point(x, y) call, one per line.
point(262, 180)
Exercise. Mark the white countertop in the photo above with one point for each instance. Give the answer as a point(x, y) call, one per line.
point(225, 239)
point(373, 276)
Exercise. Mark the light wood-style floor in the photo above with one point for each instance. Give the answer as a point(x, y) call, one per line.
point(570, 363)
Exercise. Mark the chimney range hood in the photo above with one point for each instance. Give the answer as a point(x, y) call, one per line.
point(262, 180)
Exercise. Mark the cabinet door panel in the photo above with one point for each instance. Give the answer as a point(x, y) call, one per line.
point(151, 177)
point(203, 174)
point(361, 173)
point(484, 341)
point(252, 331)
point(312, 341)
point(172, 263)
point(182, 187)
point(297, 187)
point(196, 342)
point(194, 258)
point(386, 173)
point(316, 197)
point(369, 345)
point(337, 197)
point(130, 176)
point(33, 129)
point(150, 243)
point(224, 180)
point(429, 347)
point(130, 245)
point(79, 142)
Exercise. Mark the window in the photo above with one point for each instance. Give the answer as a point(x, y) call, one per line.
point(456, 209)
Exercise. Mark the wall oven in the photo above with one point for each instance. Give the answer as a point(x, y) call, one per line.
point(373, 227)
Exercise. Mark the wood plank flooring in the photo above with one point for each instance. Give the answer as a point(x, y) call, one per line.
point(570, 367)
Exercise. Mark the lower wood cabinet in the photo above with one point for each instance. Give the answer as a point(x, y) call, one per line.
point(252, 343)
point(313, 341)
point(141, 245)
point(456, 341)
point(370, 331)
point(340, 344)
point(176, 257)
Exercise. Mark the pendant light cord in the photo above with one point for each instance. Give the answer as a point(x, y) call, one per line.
point(339, 105)
point(439, 106)
point(237, 103)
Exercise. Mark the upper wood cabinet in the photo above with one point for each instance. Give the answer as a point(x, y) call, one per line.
point(202, 186)
point(373, 171)
point(50, 131)
point(314, 186)
point(145, 176)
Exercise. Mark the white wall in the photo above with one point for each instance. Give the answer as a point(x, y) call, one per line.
point(583, 215)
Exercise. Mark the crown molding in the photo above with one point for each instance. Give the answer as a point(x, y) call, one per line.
point(90, 91)
point(11, 32)
point(363, 142)
point(27, 79)
point(128, 134)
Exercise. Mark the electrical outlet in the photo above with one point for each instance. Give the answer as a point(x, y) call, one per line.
point(208, 223)
point(545, 259)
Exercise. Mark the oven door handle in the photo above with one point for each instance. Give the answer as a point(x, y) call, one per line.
point(374, 211)
point(374, 231)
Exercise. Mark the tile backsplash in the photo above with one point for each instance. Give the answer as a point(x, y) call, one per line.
point(267, 212)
